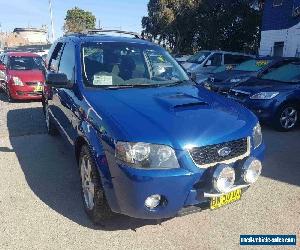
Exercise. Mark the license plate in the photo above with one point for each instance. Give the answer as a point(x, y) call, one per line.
point(225, 199)
point(38, 88)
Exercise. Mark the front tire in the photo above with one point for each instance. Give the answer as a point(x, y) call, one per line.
point(286, 118)
point(93, 196)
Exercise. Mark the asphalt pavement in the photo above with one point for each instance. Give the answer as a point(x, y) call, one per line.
point(41, 207)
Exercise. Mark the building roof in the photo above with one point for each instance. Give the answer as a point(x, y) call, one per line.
point(30, 30)
point(23, 54)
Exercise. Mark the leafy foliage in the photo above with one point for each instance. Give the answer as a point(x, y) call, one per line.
point(188, 25)
point(78, 20)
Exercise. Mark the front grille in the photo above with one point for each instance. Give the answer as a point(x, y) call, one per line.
point(208, 155)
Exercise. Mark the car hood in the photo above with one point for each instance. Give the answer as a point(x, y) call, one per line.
point(226, 75)
point(175, 116)
point(256, 85)
point(28, 75)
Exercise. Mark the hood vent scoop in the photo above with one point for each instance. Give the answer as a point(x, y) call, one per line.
point(189, 105)
point(181, 101)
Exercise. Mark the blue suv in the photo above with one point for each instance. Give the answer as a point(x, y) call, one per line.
point(149, 143)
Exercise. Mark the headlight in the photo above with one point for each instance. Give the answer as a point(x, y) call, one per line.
point(145, 155)
point(257, 136)
point(237, 80)
point(17, 81)
point(264, 95)
point(251, 170)
point(223, 178)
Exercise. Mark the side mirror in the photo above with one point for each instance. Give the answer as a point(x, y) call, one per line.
point(58, 80)
point(2, 67)
point(208, 63)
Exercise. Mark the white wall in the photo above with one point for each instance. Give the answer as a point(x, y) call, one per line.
point(290, 37)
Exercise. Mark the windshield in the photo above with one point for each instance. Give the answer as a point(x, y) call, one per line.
point(111, 64)
point(199, 57)
point(252, 65)
point(25, 63)
point(287, 73)
point(223, 68)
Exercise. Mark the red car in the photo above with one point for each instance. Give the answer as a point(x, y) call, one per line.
point(22, 75)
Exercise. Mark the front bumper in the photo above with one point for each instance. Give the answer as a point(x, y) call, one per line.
point(24, 93)
point(183, 190)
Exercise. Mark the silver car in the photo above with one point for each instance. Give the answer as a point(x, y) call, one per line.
point(205, 62)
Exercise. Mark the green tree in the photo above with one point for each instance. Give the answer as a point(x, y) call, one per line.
point(189, 25)
point(78, 20)
point(169, 22)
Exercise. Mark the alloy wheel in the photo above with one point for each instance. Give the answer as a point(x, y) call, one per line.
point(289, 117)
point(88, 186)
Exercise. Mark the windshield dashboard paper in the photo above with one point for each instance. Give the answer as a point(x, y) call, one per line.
point(100, 80)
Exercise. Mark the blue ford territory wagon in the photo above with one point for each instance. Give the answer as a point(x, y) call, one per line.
point(149, 142)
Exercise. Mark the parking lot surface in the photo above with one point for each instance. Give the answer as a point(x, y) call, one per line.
point(41, 207)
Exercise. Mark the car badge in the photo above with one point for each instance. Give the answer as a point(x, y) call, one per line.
point(223, 152)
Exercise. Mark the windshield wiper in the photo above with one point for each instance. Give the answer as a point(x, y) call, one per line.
point(175, 83)
point(133, 86)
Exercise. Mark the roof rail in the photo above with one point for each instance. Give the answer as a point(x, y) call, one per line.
point(96, 31)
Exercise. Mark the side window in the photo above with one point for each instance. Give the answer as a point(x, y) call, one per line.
point(55, 56)
point(235, 59)
point(67, 61)
point(215, 60)
point(229, 59)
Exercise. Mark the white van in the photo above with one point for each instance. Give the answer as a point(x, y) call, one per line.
point(205, 62)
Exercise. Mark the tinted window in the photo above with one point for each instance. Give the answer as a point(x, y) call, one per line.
point(235, 59)
point(253, 65)
point(25, 63)
point(199, 57)
point(107, 64)
point(67, 61)
point(216, 60)
point(286, 73)
point(55, 56)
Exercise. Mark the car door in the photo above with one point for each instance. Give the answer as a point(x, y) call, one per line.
point(57, 101)
point(67, 100)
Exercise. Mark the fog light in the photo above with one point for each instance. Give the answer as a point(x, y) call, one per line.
point(153, 201)
point(251, 170)
point(223, 178)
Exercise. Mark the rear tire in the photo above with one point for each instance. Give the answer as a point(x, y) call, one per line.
point(95, 203)
point(51, 128)
point(286, 118)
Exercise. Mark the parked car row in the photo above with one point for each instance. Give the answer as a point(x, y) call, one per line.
point(270, 87)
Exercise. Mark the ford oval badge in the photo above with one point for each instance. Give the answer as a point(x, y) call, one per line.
point(223, 152)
